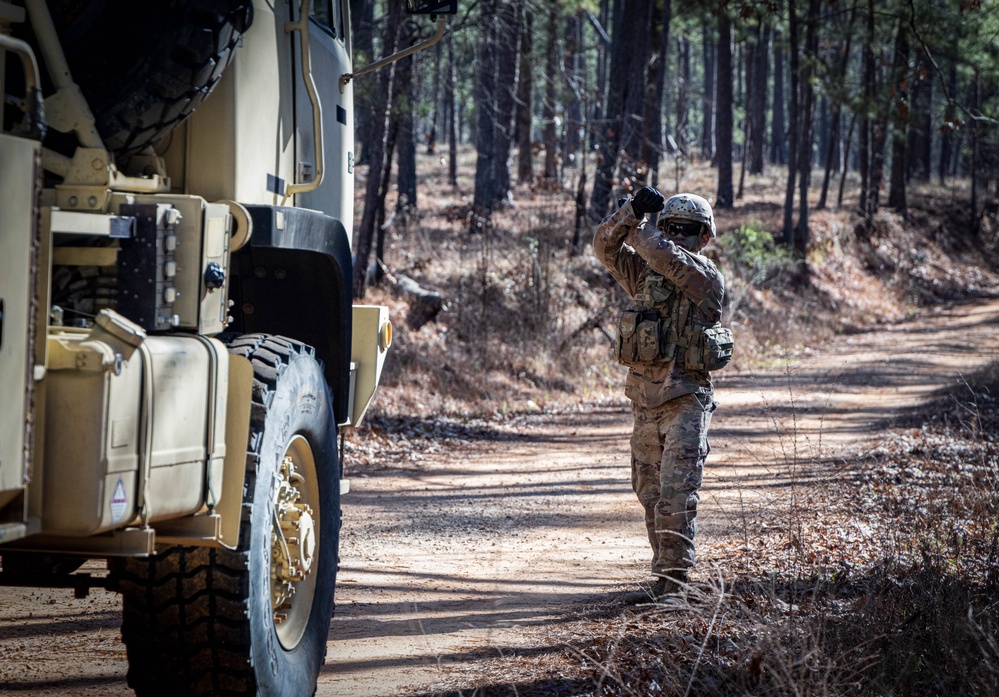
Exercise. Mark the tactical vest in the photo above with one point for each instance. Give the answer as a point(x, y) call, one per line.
point(665, 324)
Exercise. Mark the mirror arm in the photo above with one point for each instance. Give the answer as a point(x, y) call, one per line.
point(441, 28)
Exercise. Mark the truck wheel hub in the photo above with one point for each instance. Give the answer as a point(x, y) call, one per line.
point(293, 537)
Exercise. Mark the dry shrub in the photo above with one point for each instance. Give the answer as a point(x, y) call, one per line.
point(908, 607)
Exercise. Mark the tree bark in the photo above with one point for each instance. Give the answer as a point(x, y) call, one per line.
point(947, 138)
point(835, 129)
point(653, 139)
point(806, 126)
point(900, 120)
point(723, 146)
point(485, 123)
point(624, 62)
point(362, 27)
point(508, 29)
point(778, 134)
point(708, 101)
point(871, 135)
point(921, 126)
point(403, 102)
point(758, 99)
point(379, 159)
point(636, 35)
point(846, 160)
point(682, 128)
point(550, 134)
point(575, 85)
point(794, 135)
point(525, 102)
point(604, 47)
point(436, 101)
point(451, 109)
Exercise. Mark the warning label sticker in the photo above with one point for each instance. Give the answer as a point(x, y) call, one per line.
point(119, 502)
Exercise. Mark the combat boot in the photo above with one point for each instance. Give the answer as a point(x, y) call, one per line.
point(664, 587)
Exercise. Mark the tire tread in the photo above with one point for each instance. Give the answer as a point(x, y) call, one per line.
point(184, 622)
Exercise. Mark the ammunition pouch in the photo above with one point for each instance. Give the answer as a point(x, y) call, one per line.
point(641, 340)
point(638, 337)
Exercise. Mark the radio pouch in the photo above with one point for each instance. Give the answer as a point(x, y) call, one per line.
point(711, 349)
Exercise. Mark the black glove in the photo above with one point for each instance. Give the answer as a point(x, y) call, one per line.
point(647, 200)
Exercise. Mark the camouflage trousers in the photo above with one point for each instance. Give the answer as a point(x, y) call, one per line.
point(668, 448)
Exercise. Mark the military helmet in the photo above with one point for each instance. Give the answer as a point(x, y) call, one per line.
point(688, 207)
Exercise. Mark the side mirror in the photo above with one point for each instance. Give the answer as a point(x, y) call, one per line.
point(432, 7)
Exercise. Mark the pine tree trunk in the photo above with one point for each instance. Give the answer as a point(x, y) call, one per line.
point(525, 102)
point(708, 101)
point(778, 134)
point(835, 154)
point(436, 101)
point(404, 101)
point(682, 129)
point(947, 138)
point(806, 127)
point(724, 197)
point(451, 109)
point(758, 100)
point(747, 121)
point(379, 159)
point(652, 142)
point(794, 136)
point(362, 26)
point(391, 143)
point(625, 61)
point(550, 134)
point(604, 47)
point(508, 29)
point(846, 160)
point(485, 123)
point(575, 84)
point(637, 33)
point(900, 120)
point(832, 147)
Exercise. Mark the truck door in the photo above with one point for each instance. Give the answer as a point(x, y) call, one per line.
point(329, 50)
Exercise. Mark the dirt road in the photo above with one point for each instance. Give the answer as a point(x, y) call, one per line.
point(455, 549)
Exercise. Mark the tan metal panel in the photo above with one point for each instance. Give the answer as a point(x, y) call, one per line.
point(19, 246)
point(93, 392)
point(244, 133)
point(370, 339)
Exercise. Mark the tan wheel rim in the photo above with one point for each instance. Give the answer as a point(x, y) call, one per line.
point(294, 542)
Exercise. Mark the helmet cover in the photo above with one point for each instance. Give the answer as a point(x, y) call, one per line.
point(688, 207)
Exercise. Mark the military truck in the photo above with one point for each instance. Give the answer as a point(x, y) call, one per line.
point(177, 335)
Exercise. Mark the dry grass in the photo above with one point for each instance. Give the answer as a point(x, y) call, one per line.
point(909, 606)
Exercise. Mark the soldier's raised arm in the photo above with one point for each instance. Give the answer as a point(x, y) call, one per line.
point(694, 275)
point(609, 240)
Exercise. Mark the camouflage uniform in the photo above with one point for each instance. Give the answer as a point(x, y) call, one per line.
point(672, 405)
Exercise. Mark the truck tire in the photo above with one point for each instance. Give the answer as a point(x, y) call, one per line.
point(145, 66)
point(203, 621)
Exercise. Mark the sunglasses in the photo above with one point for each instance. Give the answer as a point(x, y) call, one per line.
point(678, 229)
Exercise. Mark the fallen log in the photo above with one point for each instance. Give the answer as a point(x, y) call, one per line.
point(424, 304)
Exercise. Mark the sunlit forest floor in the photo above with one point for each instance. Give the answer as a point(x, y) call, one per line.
point(911, 608)
point(528, 320)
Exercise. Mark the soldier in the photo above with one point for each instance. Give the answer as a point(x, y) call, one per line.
point(664, 339)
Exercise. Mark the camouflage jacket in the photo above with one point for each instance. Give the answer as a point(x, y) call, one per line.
point(633, 250)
